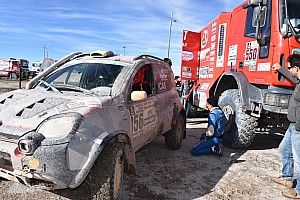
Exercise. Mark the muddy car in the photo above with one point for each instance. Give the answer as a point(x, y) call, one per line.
point(79, 123)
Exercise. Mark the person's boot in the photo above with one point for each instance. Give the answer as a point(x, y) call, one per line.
point(217, 150)
point(291, 193)
point(283, 181)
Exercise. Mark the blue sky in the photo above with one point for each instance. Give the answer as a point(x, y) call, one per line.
point(142, 26)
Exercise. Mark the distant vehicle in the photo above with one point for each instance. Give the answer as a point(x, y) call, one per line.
point(12, 66)
point(81, 121)
point(35, 66)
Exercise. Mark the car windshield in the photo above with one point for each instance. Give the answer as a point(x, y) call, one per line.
point(84, 77)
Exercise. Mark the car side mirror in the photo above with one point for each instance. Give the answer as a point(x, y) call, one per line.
point(138, 95)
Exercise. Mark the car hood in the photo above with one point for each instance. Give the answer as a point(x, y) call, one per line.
point(22, 111)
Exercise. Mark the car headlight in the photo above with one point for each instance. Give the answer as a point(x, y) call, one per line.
point(59, 126)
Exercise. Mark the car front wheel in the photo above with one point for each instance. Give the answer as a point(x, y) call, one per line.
point(106, 176)
point(173, 138)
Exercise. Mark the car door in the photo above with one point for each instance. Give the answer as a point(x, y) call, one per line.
point(143, 113)
point(166, 94)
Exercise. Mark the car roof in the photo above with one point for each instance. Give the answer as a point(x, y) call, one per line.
point(120, 58)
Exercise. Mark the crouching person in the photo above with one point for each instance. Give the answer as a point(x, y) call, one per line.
point(211, 139)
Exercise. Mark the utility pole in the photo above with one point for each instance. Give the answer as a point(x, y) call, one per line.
point(170, 32)
point(44, 51)
point(124, 47)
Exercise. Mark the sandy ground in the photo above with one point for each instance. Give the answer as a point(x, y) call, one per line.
point(165, 174)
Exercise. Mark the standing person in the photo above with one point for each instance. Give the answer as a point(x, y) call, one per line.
point(189, 98)
point(184, 90)
point(289, 148)
point(168, 61)
point(211, 139)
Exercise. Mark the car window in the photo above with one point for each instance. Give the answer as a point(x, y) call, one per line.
point(143, 80)
point(102, 75)
point(86, 75)
point(69, 76)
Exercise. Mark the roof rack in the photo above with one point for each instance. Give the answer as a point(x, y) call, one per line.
point(100, 54)
point(80, 55)
point(147, 56)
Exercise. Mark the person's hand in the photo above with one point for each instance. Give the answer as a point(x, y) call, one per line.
point(210, 131)
point(276, 67)
point(203, 136)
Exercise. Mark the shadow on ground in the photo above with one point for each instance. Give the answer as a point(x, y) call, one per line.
point(164, 174)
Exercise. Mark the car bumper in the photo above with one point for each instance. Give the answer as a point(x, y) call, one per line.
point(47, 168)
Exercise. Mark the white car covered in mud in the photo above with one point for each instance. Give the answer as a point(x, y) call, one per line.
point(79, 122)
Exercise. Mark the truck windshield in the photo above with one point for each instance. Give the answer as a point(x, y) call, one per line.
point(290, 10)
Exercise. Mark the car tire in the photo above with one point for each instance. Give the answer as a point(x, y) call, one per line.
point(105, 179)
point(240, 129)
point(173, 138)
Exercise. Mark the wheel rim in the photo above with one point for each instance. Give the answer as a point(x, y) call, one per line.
point(118, 177)
point(229, 113)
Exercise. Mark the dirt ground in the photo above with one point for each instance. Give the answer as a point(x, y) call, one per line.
point(165, 174)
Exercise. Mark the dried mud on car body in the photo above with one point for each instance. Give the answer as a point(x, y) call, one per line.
point(166, 174)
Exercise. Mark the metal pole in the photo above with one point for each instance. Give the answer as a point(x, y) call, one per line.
point(170, 32)
point(20, 76)
point(124, 47)
point(44, 51)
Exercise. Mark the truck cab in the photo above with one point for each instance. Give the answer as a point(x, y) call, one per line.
point(231, 57)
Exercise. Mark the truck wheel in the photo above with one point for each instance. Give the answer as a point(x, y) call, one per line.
point(240, 129)
point(173, 138)
point(106, 176)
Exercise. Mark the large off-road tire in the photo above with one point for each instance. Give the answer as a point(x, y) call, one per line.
point(173, 138)
point(240, 129)
point(106, 176)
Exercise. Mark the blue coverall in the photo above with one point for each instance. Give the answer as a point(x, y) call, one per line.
point(216, 123)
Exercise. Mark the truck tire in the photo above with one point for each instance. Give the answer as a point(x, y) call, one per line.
point(173, 138)
point(106, 176)
point(240, 129)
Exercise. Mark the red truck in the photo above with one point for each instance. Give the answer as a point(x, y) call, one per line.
point(232, 57)
point(12, 66)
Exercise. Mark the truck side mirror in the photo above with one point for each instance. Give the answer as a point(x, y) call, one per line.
point(259, 20)
point(255, 3)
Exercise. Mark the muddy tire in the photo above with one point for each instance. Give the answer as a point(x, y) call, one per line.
point(240, 129)
point(173, 138)
point(106, 176)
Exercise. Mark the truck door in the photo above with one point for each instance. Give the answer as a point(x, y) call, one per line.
point(251, 42)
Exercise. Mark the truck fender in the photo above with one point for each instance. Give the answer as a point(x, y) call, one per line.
point(99, 144)
point(237, 80)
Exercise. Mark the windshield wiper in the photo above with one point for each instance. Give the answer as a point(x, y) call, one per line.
point(49, 86)
point(74, 88)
